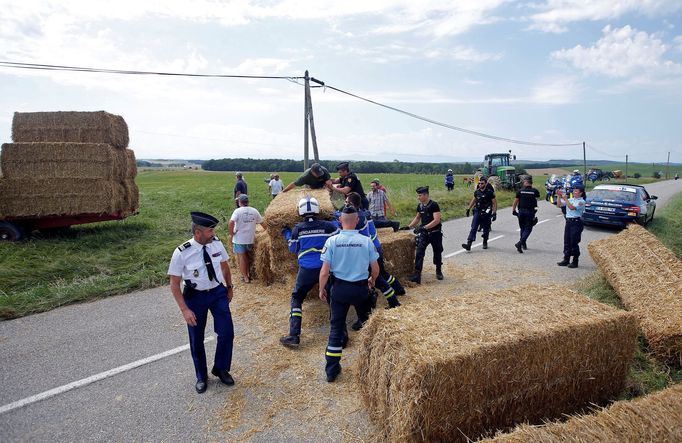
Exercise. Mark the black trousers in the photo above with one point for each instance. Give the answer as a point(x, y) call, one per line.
point(483, 219)
point(305, 280)
point(526, 217)
point(344, 294)
point(424, 239)
point(572, 233)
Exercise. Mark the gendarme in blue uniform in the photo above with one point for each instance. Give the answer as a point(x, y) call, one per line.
point(573, 231)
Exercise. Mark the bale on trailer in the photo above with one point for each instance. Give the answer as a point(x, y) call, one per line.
point(648, 279)
point(455, 368)
point(131, 170)
point(79, 127)
point(654, 418)
point(46, 197)
point(399, 251)
point(63, 160)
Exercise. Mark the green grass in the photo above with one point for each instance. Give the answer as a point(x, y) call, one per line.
point(102, 259)
point(646, 374)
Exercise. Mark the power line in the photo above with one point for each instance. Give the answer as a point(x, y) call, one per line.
point(44, 67)
point(445, 125)
point(592, 148)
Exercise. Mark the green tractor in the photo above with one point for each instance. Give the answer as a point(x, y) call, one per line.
point(501, 175)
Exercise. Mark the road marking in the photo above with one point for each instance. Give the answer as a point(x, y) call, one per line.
point(473, 246)
point(93, 378)
point(560, 215)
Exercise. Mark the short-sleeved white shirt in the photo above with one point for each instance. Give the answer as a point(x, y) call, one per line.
point(276, 186)
point(245, 219)
point(188, 263)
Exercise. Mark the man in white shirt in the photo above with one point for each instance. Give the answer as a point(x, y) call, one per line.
point(276, 185)
point(243, 231)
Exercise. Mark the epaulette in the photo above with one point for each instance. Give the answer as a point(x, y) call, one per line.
point(184, 246)
point(215, 237)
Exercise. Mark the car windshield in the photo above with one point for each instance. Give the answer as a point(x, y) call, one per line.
point(613, 194)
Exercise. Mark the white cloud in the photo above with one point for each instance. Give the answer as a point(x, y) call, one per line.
point(678, 42)
point(622, 53)
point(556, 91)
point(556, 14)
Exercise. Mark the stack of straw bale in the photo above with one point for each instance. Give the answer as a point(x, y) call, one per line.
point(461, 367)
point(648, 279)
point(654, 418)
point(68, 163)
point(399, 251)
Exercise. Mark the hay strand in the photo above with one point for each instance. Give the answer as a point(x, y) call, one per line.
point(399, 251)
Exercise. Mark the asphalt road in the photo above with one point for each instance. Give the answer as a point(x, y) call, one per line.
point(116, 369)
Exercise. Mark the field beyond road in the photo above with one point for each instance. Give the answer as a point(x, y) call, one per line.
point(102, 259)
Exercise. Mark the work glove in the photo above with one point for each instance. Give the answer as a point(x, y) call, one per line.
point(494, 217)
point(468, 211)
point(514, 213)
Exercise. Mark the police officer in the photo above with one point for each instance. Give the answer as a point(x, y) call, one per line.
point(348, 256)
point(202, 263)
point(527, 203)
point(450, 180)
point(349, 182)
point(575, 208)
point(484, 205)
point(306, 240)
point(429, 232)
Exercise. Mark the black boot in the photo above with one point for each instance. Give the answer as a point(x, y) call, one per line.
point(290, 341)
point(564, 262)
point(416, 278)
point(574, 263)
point(439, 273)
point(467, 245)
point(519, 247)
point(524, 246)
point(395, 225)
point(485, 243)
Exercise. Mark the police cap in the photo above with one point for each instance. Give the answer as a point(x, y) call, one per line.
point(423, 190)
point(342, 165)
point(205, 220)
point(581, 187)
point(348, 209)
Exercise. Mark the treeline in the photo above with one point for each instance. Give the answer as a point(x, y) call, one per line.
point(280, 165)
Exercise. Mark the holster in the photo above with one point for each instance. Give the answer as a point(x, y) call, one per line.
point(188, 290)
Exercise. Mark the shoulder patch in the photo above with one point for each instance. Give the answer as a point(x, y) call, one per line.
point(324, 249)
point(184, 246)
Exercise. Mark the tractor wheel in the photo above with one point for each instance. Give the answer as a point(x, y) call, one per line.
point(495, 182)
point(10, 232)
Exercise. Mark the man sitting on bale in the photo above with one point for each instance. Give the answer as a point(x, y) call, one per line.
point(316, 177)
point(347, 255)
point(306, 240)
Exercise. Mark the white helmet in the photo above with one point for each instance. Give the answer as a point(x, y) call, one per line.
point(449, 170)
point(308, 206)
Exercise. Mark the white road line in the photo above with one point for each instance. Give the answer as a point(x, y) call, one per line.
point(560, 215)
point(473, 246)
point(93, 378)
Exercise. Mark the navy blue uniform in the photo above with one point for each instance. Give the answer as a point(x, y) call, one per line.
point(351, 181)
point(306, 240)
point(349, 255)
point(574, 228)
point(450, 181)
point(527, 208)
point(482, 212)
point(433, 237)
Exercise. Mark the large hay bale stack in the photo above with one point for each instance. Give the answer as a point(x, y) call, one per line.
point(262, 267)
point(399, 251)
point(648, 279)
point(60, 196)
point(459, 367)
point(79, 127)
point(63, 160)
point(654, 418)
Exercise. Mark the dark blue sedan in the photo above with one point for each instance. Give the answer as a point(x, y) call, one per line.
point(618, 205)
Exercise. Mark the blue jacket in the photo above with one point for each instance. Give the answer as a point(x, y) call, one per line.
point(365, 226)
point(307, 240)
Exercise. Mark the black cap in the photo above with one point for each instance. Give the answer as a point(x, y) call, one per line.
point(205, 220)
point(348, 209)
point(342, 165)
point(316, 168)
point(423, 190)
point(581, 187)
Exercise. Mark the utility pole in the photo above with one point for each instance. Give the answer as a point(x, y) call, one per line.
point(584, 162)
point(309, 122)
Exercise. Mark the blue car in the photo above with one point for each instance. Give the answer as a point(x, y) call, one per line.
point(618, 205)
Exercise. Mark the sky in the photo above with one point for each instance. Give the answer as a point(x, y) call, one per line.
point(604, 72)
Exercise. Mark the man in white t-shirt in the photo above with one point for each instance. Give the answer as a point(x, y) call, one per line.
point(276, 185)
point(243, 231)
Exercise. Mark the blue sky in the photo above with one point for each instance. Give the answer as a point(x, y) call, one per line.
point(548, 71)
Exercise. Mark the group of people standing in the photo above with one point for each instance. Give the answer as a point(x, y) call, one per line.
point(343, 257)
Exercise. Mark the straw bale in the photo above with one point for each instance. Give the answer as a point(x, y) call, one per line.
point(261, 263)
point(399, 251)
point(131, 170)
point(648, 279)
point(42, 197)
point(283, 211)
point(63, 160)
point(654, 418)
point(459, 367)
point(131, 196)
point(80, 127)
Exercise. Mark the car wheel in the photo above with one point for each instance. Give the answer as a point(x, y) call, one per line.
point(10, 232)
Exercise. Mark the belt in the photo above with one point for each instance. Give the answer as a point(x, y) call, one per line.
point(358, 282)
point(207, 290)
point(573, 219)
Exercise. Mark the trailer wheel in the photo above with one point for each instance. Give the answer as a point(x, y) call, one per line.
point(10, 232)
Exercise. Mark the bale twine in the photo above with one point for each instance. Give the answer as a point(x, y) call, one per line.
point(43, 197)
point(653, 418)
point(456, 368)
point(63, 160)
point(399, 251)
point(648, 279)
point(80, 127)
